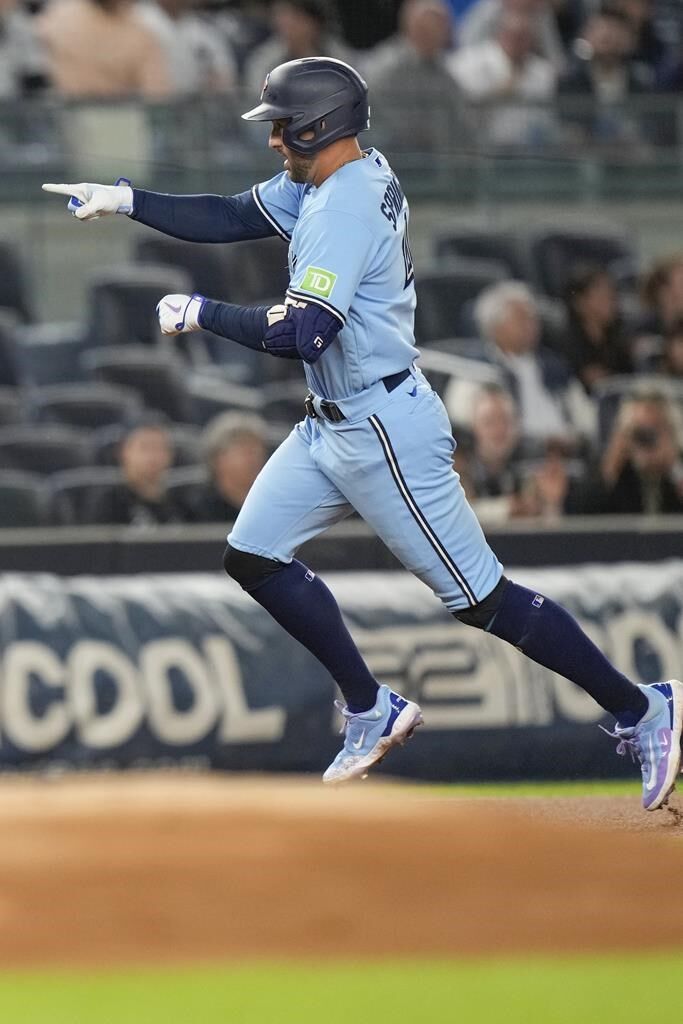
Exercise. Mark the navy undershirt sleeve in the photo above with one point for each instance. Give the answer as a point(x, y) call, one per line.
point(247, 325)
point(200, 218)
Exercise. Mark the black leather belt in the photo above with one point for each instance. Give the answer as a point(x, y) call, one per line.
point(334, 414)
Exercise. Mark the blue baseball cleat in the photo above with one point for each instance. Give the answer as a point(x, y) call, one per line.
point(655, 741)
point(369, 736)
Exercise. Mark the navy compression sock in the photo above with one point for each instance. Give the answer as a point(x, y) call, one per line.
point(548, 634)
point(303, 605)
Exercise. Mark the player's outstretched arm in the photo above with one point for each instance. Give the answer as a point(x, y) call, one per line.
point(200, 218)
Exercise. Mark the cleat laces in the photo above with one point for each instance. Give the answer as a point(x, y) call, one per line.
point(627, 745)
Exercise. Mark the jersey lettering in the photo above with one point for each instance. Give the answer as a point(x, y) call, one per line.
point(392, 202)
point(407, 255)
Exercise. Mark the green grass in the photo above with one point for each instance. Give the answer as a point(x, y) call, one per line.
point(599, 787)
point(530, 991)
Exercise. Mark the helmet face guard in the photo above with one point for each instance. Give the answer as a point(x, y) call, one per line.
point(317, 94)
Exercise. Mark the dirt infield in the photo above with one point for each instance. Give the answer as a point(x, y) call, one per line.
point(180, 868)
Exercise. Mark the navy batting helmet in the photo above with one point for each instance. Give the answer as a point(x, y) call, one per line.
point(315, 94)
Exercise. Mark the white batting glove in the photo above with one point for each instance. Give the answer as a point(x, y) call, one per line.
point(88, 201)
point(179, 314)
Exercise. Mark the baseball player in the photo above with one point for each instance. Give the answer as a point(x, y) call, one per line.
point(376, 437)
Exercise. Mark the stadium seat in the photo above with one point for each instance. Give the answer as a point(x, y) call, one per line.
point(443, 295)
point(9, 329)
point(92, 404)
point(43, 448)
point(554, 252)
point(209, 396)
point(153, 373)
point(11, 406)
point(72, 492)
point(283, 401)
point(13, 290)
point(22, 499)
point(255, 270)
point(122, 302)
point(50, 353)
point(481, 243)
point(204, 265)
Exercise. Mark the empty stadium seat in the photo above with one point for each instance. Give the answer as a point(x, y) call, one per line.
point(11, 406)
point(43, 448)
point(9, 370)
point(204, 264)
point(443, 295)
point(256, 269)
point(73, 491)
point(504, 247)
point(22, 499)
point(92, 404)
point(153, 373)
point(122, 302)
point(208, 396)
point(50, 353)
point(554, 252)
point(13, 290)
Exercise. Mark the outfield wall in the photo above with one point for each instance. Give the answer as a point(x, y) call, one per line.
point(155, 670)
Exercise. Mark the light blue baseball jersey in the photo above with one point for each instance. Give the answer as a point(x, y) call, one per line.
point(350, 253)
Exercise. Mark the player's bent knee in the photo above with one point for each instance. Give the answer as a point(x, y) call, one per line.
point(481, 615)
point(247, 569)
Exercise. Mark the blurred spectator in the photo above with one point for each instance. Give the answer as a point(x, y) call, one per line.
point(145, 455)
point(602, 70)
point(408, 76)
point(505, 69)
point(481, 24)
point(595, 344)
point(489, 466)
point(672, 353)
point(649, 48)
point(301, 28)
point(198, 59)
point(101, 48)
point(22, 62)
point(662, 293)
point(507, 317)
point(641, 469)
point(234, 448)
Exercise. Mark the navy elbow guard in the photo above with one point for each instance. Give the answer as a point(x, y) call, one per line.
point(300, 330)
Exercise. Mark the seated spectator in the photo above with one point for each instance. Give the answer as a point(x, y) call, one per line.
point(480, 24)
point(198, 58)
point(602, 71)
point(101, 48)
point(505, 71)
point(301, 28)
point(649, 49)
point(662, 294)
point(234, 448)
point(507, 318)
point(408, 75)
point(489, 465)
point(595, 344)
point(641, 470)
point(672, 353)
point(23, 70)
point(145, 455)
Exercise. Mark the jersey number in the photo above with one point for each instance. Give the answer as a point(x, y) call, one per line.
point(407, 256)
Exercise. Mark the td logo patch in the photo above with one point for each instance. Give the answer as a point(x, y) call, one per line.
point(320, 282)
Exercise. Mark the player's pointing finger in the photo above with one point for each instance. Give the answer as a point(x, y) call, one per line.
point(62, 190)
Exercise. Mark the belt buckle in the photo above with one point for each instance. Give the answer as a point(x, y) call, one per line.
point(309, 406)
